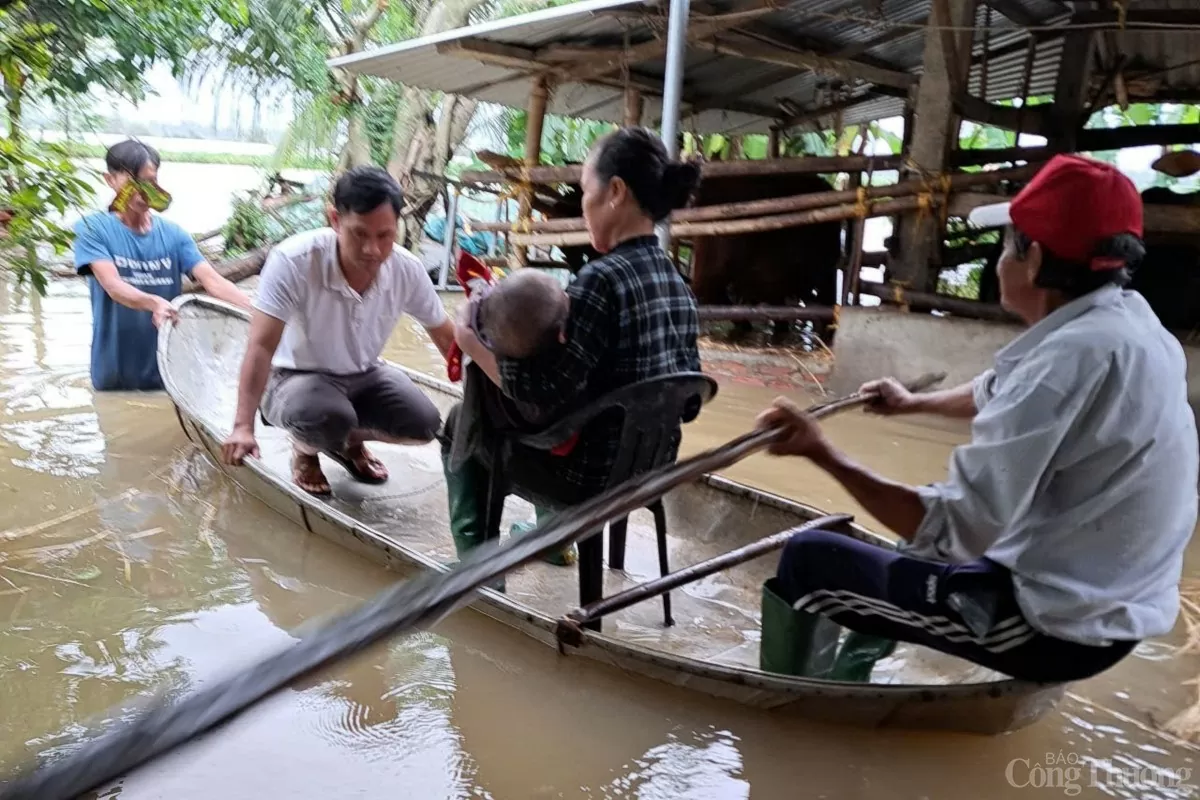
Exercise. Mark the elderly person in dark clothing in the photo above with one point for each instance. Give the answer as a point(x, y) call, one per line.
point(632, 317)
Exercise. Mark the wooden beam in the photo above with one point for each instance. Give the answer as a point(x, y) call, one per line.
point(799, 202)
point(744, 47)
point(927, 301)
point(608, 60)
point(527, 62)
point(520, 58)
point(634, 107)
point(1066, 115)
point(763, 313)
point(535, 117)
point(807, 165)
point(736, 94)
point(934, 139)
point(1138, 19)
point(1156, 217)
point(1034, 120)
point(812, 114)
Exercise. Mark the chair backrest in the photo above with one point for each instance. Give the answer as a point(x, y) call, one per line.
point(651, 410)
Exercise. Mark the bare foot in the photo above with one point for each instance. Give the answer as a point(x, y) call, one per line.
point(307, 474)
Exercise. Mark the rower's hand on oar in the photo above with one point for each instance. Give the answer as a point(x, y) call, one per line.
point(238, 445)
point(801, 434)
point(890, 397)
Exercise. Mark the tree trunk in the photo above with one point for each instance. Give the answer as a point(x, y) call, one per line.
point(421, 143)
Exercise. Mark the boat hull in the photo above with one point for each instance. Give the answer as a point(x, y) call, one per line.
point(987, 707)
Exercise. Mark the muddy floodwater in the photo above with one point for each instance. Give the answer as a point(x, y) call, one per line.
point(129, 565)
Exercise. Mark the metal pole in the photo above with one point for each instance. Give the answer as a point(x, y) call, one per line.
point(448, 234)
point(677, 24)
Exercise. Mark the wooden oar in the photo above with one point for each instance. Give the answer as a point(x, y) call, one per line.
point(570, 627)
point(409, 605)
point(570, 630)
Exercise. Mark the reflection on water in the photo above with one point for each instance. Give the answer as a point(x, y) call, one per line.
point(129, 565)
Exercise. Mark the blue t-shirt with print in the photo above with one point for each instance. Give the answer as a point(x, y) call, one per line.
point(124, 340)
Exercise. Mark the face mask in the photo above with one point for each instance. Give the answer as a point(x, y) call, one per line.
point(156, 197)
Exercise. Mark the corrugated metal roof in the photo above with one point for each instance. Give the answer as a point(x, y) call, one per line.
point(757, 91)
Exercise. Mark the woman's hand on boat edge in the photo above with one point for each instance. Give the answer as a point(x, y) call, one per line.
point(801, 434)
point(239, 444)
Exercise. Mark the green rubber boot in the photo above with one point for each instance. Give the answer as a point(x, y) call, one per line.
point(463, 490)
point(795, 642)
point(858, 655)
point(563, 558)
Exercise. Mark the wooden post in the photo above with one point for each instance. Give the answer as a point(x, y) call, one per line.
point(1070, 90)
point(533, 153)
point(920, 231)
point(773, 142)
point(635, 106)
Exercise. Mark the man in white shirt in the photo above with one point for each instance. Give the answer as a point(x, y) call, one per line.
point(327, 302)
point(1056, 542)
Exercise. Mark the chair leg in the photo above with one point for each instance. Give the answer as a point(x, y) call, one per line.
point(660, 533)
point(591, 572)
point(494, 509)
point(616, 543)
point(497, 493)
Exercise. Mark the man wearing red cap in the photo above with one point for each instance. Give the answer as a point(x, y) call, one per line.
point(1056, 542)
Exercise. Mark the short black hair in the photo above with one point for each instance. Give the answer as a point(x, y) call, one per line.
point(638, 157)
point(1074, 278)
point(130, 156)
point(363, 189)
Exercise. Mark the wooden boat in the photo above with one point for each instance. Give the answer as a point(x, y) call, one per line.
point(712, 649)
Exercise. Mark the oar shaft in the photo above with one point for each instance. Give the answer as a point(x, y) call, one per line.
point(702, 569)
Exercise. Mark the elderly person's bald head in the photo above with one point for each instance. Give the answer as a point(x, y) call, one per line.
point(524, 313)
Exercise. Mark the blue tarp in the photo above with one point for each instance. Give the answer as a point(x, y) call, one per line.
point(476, 244)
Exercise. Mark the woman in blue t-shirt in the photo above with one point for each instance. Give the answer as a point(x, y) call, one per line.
point(137, 260)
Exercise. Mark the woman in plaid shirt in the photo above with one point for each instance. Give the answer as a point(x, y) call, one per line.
point(632, 317)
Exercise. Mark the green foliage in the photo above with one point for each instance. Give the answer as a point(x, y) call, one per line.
point(963, 282)
point(58, 51)
point(564, 140)
point(247, 227)
point(40, 184)
point(379, 117)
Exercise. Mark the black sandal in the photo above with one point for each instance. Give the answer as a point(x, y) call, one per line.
point(349, 465)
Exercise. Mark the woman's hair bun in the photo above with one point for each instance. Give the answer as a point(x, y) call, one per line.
point(679, 182)
point(637, 156)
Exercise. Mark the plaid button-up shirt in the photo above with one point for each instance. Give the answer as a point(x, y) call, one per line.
point(632, 317)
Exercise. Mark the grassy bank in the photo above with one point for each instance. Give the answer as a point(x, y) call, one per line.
point(238, 159)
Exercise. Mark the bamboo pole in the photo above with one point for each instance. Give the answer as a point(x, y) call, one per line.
point(533, 152)
point(924, 301)
point(764, 313)
point(568, 626)
point(736, 226)
point(799, 202)
point(807, 165)
point(635, 106)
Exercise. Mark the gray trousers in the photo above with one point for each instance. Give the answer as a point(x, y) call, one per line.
point(320, 410)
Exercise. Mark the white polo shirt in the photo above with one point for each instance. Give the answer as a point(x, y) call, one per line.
point(330, 327)
point(1081, 474)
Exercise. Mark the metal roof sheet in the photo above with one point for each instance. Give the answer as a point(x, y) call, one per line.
point(894, 40)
